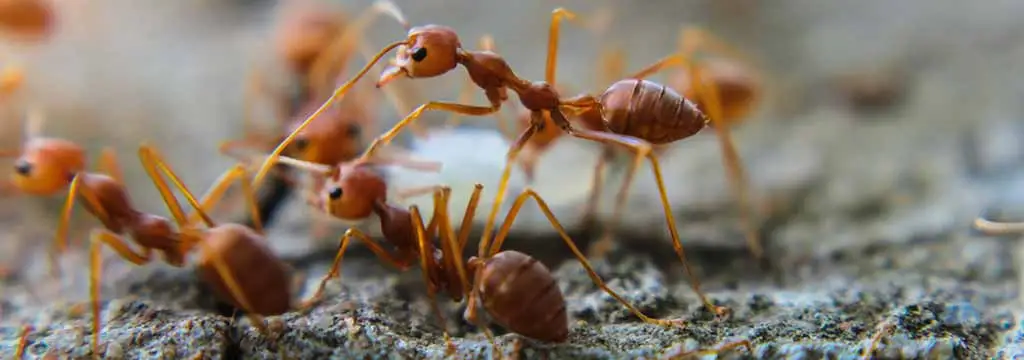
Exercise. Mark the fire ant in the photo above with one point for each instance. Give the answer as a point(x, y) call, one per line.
point(234, 260)
point(512, 287)
point(27, 20)
point(433, 50)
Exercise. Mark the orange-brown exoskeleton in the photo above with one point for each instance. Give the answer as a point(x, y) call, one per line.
point(234, 260)
point(518, 292)
point(637, 114)
point(27, 20)
point(44, 166)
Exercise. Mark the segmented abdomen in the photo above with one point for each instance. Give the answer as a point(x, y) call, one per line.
point(650, 111)
point(522, 296)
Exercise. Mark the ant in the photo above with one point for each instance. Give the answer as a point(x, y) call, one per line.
point(514, 288)
point(27, 20)
point(234, 260)
point(433, 50)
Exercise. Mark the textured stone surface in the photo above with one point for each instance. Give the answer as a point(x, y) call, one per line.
point(866, 215)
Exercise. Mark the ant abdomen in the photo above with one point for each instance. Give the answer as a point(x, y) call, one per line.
point(521, 295)
point(242, 249)
point(650, 111)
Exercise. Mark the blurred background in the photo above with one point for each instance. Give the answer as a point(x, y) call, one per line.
point(913, 105)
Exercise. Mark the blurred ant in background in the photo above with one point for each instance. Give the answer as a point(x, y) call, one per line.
point(316, 42)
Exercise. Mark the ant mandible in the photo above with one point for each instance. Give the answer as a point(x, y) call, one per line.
point(234, 260)
point(504, 280)
point(433, 50)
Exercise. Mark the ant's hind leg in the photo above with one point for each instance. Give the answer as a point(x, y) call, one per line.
point(100, 238)
point(374, 247)
point(507, 224)
point(643, 149)
point(739, 181)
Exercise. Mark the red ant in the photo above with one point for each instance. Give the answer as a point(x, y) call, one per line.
point(433, 50)
point(514, 288)
point(234, 260)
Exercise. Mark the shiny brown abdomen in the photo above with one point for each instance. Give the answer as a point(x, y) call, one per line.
point(650, 111)
point(522, 296)
point(263, 278)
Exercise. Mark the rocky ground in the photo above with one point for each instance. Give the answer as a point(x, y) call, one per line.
point(866, 201)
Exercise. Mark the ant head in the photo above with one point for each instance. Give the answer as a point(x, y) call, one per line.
point(429, 51)
point(352, 192)
point(47, 166)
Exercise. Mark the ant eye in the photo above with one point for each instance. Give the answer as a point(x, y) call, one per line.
point(301, 143)
point(335, 193)
point(420, 54)
point(353, 130)
point(23, 168)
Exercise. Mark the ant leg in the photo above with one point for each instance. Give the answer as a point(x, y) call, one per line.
point(384, 255)
point(433, 105)
point(154, 164)
point(100, 238)
point(110, 166)
point(336, 55)
point(429, 265)
point(661, 65)
point(467, 219)
point(738, 179)
point(553, 36)
point(216, 192)
point(19, 353)
point(499, 197)
point(599, 249)
point(507, 225)
point(692, 38)
point(725, 347)
point(74, 190)
point(643, 149)
point(338, 94)
point(998, 228)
